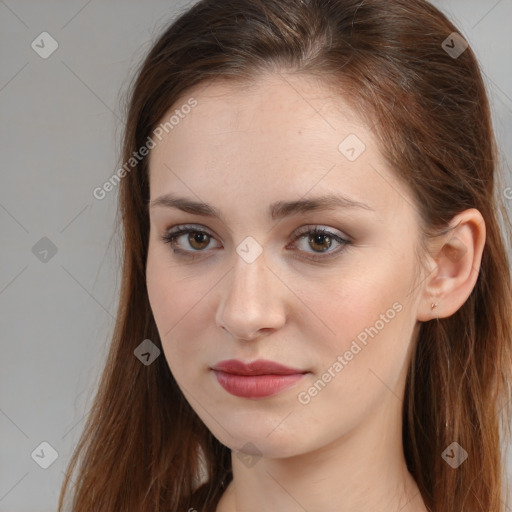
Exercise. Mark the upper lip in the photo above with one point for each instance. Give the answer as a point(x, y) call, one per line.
point(259, 367)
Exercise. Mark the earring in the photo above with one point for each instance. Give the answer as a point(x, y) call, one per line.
point(433, 305)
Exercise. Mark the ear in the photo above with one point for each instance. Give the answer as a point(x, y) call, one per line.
point(455, 262)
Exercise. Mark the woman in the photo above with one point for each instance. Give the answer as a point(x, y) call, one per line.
point(316, 303)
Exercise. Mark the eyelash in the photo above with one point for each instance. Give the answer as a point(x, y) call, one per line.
point(170, 237)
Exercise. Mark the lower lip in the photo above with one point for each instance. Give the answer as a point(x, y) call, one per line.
point(256, 386)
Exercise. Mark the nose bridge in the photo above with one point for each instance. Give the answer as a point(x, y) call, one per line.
point(251, 299)
point(249, 278)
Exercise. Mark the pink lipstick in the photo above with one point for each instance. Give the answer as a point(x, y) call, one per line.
point(258, 379)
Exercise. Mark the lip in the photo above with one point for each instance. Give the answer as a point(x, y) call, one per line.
point(258, 367)
point(257, 379)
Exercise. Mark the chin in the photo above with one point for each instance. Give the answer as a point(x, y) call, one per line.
point(257, 439)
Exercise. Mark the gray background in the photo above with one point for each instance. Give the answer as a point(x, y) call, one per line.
point(61, 124)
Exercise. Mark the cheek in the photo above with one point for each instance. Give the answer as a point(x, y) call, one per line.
point(362, 365)
point(364, 313)
point(177, 300)
point(170, 295)
point(159, 286)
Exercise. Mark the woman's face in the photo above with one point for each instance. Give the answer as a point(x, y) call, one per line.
point(338, 309)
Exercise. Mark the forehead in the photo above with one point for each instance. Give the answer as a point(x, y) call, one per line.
point(270, 105)
point(282, 132)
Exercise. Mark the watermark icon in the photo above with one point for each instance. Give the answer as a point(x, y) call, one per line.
point(252, 457)
point(137, 156)
point(147, 352)
point(44, 249)
point(351, 147)
point(454, 249)
point(304, 397)
point(454, 455)
point(44, 45)
point(508, 193)
point(454, 45)
point(44, 455)
point(249, 249)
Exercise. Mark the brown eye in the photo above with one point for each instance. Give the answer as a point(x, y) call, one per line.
point(188, 241)
point(322, 242)
point(200, 238)
point(316, 241)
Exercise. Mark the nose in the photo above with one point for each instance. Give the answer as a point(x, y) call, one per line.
point(252, 300)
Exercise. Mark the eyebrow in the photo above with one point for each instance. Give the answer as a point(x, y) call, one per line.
point(277, 210)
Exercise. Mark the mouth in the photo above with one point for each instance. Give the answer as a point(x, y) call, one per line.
point(258, 379)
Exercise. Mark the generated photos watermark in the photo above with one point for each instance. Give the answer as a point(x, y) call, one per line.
point(137, 156)
point(305, 397)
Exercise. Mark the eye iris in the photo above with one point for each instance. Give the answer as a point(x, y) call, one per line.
point(318, 238)
point(198, 237)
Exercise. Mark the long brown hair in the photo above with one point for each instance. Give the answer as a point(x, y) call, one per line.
point(143, 447)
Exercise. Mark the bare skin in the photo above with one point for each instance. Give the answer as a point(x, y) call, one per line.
point(240, 150)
